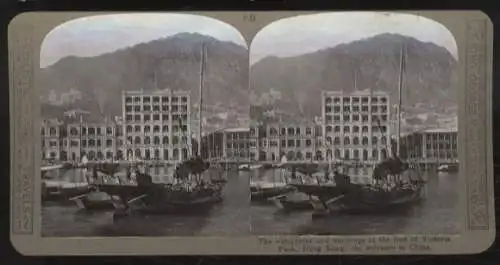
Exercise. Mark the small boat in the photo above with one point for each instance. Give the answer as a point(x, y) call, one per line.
point(94, 200)
point(46, 168)
point(264, 191)
point(451, 168)
point(55, 190)
point(293, 202)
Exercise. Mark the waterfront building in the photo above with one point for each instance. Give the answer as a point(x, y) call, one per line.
point(229, 144)
point(52, 139)
point(95, 140)
point(299, 141)
point(356, 125)
point(431, 146)
point(157, 125)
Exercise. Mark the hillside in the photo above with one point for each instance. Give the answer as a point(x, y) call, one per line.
point(174, 61)
point(294, 84)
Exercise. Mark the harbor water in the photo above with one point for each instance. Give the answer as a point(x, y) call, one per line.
point(237, 216)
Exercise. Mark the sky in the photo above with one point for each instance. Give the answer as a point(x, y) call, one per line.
point(95, 35)
point(308, 33)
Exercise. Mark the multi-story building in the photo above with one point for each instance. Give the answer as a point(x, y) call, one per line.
point(299, 141)
point(431, 146)
point(236, 144)
point(157, 124)
point(52, 139)
point(71, 140)
point(356, 125)
point(96, 141)
point(230, 144)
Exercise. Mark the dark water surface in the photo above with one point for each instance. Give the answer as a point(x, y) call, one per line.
point(236, 216)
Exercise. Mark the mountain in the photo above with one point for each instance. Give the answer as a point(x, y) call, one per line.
point(173, 62)
point(294, 84)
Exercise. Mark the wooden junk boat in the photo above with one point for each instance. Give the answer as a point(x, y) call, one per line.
point(190, 194)
point(396, 184)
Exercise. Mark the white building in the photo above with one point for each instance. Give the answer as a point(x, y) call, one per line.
point(51, 132)
point(356, 125)
point(299, 141)
point(157, 124)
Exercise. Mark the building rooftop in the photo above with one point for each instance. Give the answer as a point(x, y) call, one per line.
point(240, 129)
point(166, 91)
point(434, 130)
point(441, 130)
point(363, 92)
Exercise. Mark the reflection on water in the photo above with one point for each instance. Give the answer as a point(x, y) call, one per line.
point(438, 213)
point(236, 216)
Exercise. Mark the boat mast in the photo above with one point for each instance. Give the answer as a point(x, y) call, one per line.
point(202, 73)
point(400, 86)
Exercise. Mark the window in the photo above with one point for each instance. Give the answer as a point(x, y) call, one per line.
point(137, 128)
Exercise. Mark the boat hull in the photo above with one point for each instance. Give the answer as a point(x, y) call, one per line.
point(55, 194)
point(264, 194)
point(324, 192)
point(95, 201)
point(364, 201)
point(295, 205)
